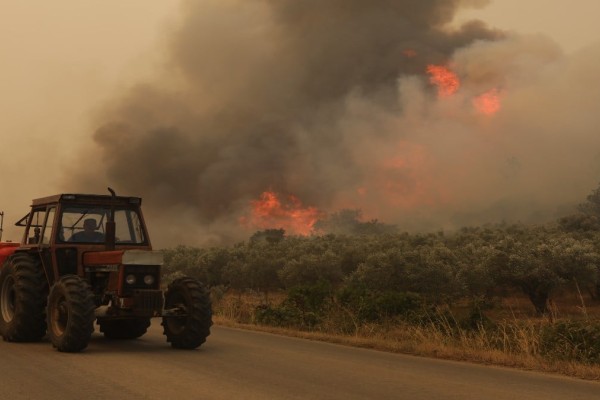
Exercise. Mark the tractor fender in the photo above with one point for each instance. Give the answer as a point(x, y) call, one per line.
point(6, 250)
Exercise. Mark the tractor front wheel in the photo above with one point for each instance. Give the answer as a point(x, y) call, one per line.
point(70, 314)
point(192, 299)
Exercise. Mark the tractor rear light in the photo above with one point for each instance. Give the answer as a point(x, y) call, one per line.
point(148, 280)
point(130, 279)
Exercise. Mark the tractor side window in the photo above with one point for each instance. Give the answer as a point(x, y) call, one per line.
point(128, 227)
point(34, 231)
point(48, 228)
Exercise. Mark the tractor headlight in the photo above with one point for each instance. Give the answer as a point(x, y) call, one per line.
point(149, 279)
point(130, 279)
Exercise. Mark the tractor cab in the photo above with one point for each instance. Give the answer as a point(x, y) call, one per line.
point(75, 212)
point(66, 226)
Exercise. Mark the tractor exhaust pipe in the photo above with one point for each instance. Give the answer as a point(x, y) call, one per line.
point(110, 224)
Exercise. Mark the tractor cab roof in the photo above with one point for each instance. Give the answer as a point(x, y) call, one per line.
point(87, 199)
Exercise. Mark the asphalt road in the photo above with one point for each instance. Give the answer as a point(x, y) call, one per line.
point(237, 364)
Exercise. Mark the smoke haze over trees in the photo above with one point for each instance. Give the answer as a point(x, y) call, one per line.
point(330, 101)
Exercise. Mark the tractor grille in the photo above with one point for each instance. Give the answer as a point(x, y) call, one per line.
point(148, 302)
point(140, 271)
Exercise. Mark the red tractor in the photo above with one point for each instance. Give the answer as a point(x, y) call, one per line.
point(86, 258)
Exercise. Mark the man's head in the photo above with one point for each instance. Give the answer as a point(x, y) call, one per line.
point(89, 225)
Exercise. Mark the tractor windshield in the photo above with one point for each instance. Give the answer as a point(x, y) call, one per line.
point(88, 225)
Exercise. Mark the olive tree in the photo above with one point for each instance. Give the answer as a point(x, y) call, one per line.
point(548, 261)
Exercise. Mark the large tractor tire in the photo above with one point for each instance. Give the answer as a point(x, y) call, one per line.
point(192, 329)
point(124, 328)
point(23, 293)
point(70, 314)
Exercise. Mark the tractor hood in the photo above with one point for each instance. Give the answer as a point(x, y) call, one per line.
point(126, 257)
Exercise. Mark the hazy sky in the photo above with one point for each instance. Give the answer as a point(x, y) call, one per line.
point(573, 24)
point(61, 60)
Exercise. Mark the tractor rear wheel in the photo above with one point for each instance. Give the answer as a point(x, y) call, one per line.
point(124, 328)
point(192, 328)
point(70, 314)
point(23, 292)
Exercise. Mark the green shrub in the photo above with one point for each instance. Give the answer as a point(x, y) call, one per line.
point(281, 316)
point(572, 341)
point(302, 308)
point(371, 306)
point(309, 298)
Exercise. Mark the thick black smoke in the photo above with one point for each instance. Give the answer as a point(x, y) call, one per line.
point(254, 96)
point(330, 101)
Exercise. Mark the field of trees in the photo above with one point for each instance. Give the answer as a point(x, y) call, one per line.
point(516, 291)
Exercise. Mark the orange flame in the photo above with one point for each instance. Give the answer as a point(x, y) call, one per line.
point(446, 80)
point(488, 103)
point(270, 212)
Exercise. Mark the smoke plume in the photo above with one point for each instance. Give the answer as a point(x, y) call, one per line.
point(331, 101)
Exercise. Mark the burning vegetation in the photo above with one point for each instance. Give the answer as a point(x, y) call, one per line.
point(270, 211)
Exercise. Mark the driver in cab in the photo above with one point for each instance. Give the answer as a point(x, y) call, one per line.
point(89, 232)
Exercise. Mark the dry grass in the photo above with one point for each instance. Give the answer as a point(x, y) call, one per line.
point(514, 343)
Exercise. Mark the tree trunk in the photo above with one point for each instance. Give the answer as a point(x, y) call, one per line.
point(539, 299)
